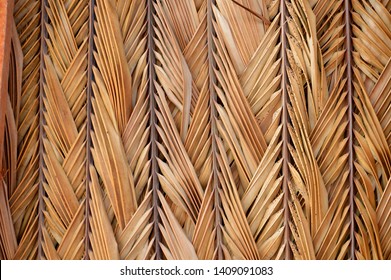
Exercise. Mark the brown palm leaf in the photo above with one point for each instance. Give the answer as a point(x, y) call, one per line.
point(120, 131)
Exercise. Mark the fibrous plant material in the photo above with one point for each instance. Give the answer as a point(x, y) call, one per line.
point(200, 129)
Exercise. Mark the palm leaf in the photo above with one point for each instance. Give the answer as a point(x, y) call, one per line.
point(120, 132)
point(9, 159)
point(250, 97)
point(64, 139)
point(371, 146)
point(183, 113)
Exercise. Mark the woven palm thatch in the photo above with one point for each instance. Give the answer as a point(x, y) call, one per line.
point(199, 129)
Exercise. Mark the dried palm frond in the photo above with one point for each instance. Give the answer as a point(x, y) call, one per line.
point(370, 37)
point(23, 193)
point(9, 166)
point(120, 131)
point(64, 114)
point(184, 115)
